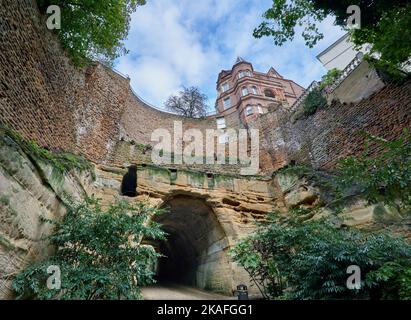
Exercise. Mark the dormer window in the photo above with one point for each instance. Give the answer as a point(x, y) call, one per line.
point(244, 91)
point(249, 110)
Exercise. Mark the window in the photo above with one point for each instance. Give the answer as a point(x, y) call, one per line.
point(225, 87)
point(227, 103)
point(260, 109)
point(269, 93)
point(254, 89)
point(249, 110)
point(244, 91)
point(244, 73)
point(220, 123)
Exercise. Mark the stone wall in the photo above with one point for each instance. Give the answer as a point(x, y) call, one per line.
point(39, 87)
point(60, 106)
point(31, 190)
point(90, 110)
point(334, 131)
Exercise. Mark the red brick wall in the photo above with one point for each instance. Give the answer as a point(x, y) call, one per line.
point(46, 98)
point(39, 88)
point(334, 131)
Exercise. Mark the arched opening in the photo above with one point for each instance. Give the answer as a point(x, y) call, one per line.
point(269, 93)
point(195, 252)
point(129, 182)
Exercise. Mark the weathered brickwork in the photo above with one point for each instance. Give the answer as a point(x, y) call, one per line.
point(47, 99)
point(39, 88)
point(334, 131)
point(91, 110)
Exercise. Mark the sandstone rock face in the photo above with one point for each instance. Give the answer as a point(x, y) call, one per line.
point(297, 191)
point(29, 191)
point(205, 216)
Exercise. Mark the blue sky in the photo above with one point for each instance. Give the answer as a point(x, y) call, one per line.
point(188, 42)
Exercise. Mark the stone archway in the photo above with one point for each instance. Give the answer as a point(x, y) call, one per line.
point(195, 252)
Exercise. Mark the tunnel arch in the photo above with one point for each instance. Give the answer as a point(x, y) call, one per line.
point(196, 249)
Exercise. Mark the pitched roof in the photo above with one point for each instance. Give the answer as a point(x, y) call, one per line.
point(274, 72)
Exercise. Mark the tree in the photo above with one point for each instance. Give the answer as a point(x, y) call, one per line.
point(288, 259)
point(384, 24)
point(93, 29)
point(297, 256)
point(189, 102)
point(98, 252)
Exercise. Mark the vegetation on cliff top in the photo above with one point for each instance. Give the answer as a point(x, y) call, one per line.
point(98, 253)
point(93, 30)
point(60, 161)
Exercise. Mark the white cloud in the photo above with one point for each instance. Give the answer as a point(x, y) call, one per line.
point(183, 43)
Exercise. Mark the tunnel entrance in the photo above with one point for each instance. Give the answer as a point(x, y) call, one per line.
point(195, 252)
point(129, 182)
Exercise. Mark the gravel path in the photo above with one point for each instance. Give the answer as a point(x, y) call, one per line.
point(178, 292)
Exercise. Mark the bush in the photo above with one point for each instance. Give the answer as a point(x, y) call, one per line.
point(385, 178)
point(98, 253)
point(329, 78)
point(294, 260)
point(299, 259)
point(313, 101)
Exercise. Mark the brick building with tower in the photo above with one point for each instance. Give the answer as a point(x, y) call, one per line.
point(249, 93)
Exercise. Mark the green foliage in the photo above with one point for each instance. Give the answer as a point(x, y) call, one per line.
point(4, 200)
point(289, 259)
point(329, 78)
point(144, 147)
point(390, 38)
point(98, 253)
point(313, 101)
point(93, 29)
point(297, 257)
point(384, 24)
point(385, 178)
point(282, 18)
point(59, 160)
